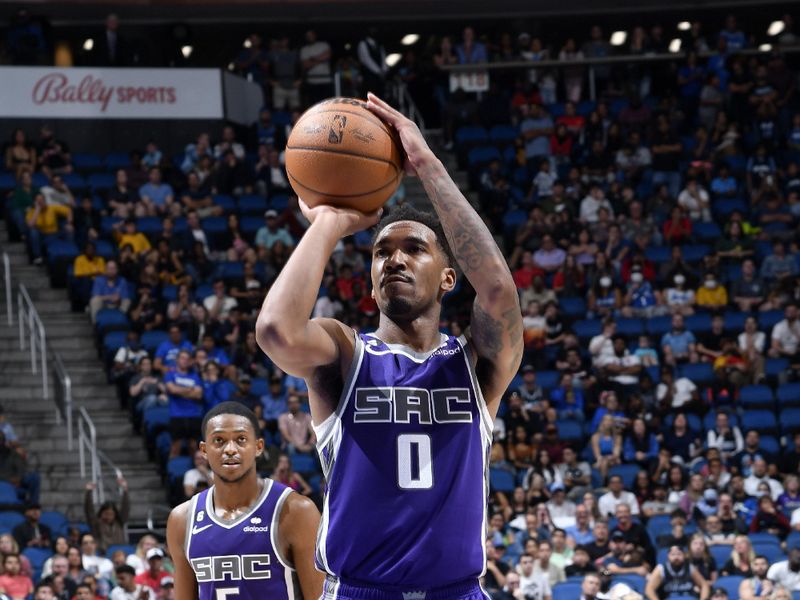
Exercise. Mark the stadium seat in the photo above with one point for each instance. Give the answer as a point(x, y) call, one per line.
point(720, 552)
point(155, 418)
point(756, 396)
point(734, 321)
point(790, 421)
point(769, 445)
point(706, 231)
point(37, 558)
point(573, 307)
point(110, 319)
point(627, 472)
point(501, 480)
point(587, 328)
point(771, 550)
point(252, 204)
point(54, 519)
point(117, 160)
point(113, 341)
point(762, 421)
point(697, 373)
point(774, 367)
point(227, 203)
point(279, 202)
point(86, 161)
point(100, 181)
point(700, 322)
point(8, 495)
point(764, 538)
point(569, 431)
point(177, 466)
point(788, 394)
point(503, 134)
point(658, 326)
point(470, 135)
point(658, 254)
point(303, 463)
point(768, 319)
point(566, 591)
point(152, 339)
point(10, 519)
point(548, 379)
point(630, 327)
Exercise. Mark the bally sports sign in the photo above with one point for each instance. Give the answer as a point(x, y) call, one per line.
point(89, 93)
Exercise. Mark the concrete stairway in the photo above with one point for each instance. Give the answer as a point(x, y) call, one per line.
point(72, 337)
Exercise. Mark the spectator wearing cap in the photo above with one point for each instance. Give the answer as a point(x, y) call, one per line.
point(787, 572)
point(497, 570)
point(155, 572)
point(128, 588)
point(621, 560)
point(581, 564)
point(167, 591)
point(108, 522)
point(561, 509)
point(270, 233)
point(30, 533)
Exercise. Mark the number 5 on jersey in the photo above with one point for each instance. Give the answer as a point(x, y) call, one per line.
point(414, 462)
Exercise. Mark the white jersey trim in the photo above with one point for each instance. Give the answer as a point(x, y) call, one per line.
point(241, 518)
point(483, 409)
point(273, 533)
point(417, 357)
point(190, 525)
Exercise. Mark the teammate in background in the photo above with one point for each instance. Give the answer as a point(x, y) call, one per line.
point(245, 538)
point(403, 416)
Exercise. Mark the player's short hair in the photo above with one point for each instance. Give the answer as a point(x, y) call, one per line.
point(406, 212)
point(231, 408)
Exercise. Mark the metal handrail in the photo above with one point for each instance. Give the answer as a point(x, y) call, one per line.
point(9, 293)
point(406, 104)
point(30, 321)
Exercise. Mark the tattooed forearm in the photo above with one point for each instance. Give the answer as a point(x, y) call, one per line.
point(470, 240)
point(487, 332)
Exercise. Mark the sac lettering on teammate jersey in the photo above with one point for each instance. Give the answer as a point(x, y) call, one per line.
point(240, 558)
point(406, 458)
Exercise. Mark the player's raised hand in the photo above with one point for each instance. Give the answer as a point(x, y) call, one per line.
point(414, 144)
point(347, 220)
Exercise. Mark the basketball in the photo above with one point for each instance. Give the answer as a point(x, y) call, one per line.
point(340, 153)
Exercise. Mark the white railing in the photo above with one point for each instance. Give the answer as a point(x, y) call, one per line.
point(32, 330)
point(91, 458)
point(9, 293)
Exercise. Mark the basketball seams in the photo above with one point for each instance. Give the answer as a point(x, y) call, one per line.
point(327, 195)
point(345, 152)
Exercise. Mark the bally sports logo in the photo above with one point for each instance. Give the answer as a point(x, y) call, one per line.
point(253, 527)
point(57, 88)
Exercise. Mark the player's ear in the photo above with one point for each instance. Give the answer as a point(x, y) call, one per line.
point(202, 447)
point(259, 446)
point(448, 282)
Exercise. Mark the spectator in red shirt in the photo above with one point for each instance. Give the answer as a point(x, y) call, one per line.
point(678, 228)
point(574, 122)
point(152, 577)
point(561, 144)
point(523, 277)
point(13, 584)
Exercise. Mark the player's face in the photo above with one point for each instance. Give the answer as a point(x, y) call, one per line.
point(409, 270)
point(231, 447)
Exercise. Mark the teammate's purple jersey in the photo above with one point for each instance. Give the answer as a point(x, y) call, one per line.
point(240, 558)
point(406, 458)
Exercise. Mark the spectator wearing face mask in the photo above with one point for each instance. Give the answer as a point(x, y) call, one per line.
point(712, 295)
point(678, 297)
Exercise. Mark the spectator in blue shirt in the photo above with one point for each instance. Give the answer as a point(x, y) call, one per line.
point(109, 291)
point(567, 399)
point(678, 345)
point(185, 394)
point(641, 445)
point(778, 265)
point(155, 196)
point(194, 152)
point(470, 51)
point(214, 353)
point(734, 37)
point(723, 185)
point(536, 128)
point(167, 352)
point(270, 233)
point(273, 403)
point(215, 389)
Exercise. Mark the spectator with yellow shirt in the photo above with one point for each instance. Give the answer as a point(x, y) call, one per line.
point(129, 235)
point(712, 295)
point(42, 220)
point(85, 268)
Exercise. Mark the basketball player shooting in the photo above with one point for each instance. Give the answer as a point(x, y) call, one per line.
point(403, 416)
point(245, 538)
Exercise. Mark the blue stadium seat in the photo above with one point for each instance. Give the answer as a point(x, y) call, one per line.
point(259, 386)
point(8, 495)
point(734, 321)
point(771, 550)
point(763, 538)
point(10, 519)
point(74, 181)
point(658, 254)
point(700, 322)
point(481, 156)
point(7, 181)
point(177, 466)
point(762, 421)
point(84, 161)
point(725, 207)
point(697, 373)
point(768, 319)
point(117, 160)
point(548, 379)
point(756, 396)
point(788, 394)
point(126, 548)
point(163, 445)
point(720, 552)
point(790, 421)
point(40, 180)
point(203, 291)
point(279, 202)
point(227, 203)
point(630, 327)
point(110, 319)
point(774, 367)
point(566, 591)
point(769, 445)
point(587, 328)
point(503, 134)
point(514, 218)
point(628, 473)
point(471, 135)
point(156, 417)
point(114, 340)
point(570, 431)
point(658, 525)
point(150, 226)
point(573, 306)
point(658, 326)
point(303, 463)
point(251, 225)
point(501, 480)
point(37, 558)
point(101, 181)
point(54, 519)
point(252, 204)
point(706, 231)
point(694, 252)
point(152, 339)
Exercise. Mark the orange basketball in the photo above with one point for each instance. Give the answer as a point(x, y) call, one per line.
point(340, 153)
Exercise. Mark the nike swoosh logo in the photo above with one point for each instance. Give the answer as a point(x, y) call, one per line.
point(197, 529)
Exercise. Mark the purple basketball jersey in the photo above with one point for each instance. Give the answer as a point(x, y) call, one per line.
point(240, 559)
point(406, 458)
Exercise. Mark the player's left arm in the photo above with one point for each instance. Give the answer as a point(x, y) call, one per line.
point(496, 326)
point(297, 528)
point(185, 580)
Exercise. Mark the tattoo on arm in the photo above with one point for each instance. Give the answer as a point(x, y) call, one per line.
point(487, 332)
